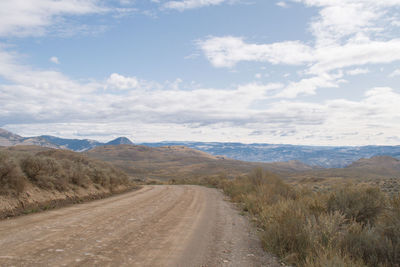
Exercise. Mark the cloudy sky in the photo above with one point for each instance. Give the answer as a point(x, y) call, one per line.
point(316, 72)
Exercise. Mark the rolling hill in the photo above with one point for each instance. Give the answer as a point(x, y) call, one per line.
point(180, 161)
point(375, 168)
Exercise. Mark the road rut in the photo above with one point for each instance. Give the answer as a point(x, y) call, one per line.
point(154, 226)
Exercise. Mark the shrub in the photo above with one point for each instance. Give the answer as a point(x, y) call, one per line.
point(285, 233)
point(332, 258)
point(361, 204)
point(347, 226)
point(12, 180)
point(56, 169)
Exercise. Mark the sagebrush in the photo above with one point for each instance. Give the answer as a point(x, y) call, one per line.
point(349, 225)
point(55, 170)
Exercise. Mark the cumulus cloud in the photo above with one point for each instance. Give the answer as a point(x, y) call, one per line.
point(37, 99)
point(33, 99)
point(38, 96)
point(356, 54)
point(227, 51)
point(308, 86)
point(33, 17)
point(117, 81)
point(347, 34)
point(146, 117)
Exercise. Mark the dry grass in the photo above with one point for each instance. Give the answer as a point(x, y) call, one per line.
point(55, 170)
point(177, 162)
point(349, 225)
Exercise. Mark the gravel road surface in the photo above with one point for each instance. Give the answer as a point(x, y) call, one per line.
point(154, 226)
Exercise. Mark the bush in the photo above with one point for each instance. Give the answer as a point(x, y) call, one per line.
point(12, 180)
point(285, 233)
point(364, 204)
point(56, 170)
point(347, 226)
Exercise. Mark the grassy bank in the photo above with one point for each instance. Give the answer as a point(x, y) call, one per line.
point(346, 226)
point(32, 180)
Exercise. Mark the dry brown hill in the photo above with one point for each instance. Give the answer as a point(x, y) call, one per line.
point(180, 162)
point(383, 171)
point(384, 163)
point(33, 177)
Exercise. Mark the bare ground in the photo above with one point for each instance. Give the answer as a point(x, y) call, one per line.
point(154, 226)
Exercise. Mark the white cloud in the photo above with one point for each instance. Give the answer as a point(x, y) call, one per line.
point(228, 51)
point(358, 71)
point(34, 99)
point(191, 4)
point(39, 95)
point(395, 73)
point(356, 54)
point(372, 120)
point(308, 86)
point(348, 34)
point(55, 60)
point(117, 81)
point(339, 19)
point(37, 99)
point(32, 17)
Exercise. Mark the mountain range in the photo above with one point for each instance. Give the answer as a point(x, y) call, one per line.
point(322, 156)
point(79, 145)
point(319, 156)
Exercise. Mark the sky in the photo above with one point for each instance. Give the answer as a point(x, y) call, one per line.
point(311, 72)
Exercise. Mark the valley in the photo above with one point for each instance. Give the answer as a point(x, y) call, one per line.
point(173, 212)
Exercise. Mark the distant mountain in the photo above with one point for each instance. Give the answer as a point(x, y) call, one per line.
point(77, 145)
point(319, 156)
point(323, 156)
point(120, 141)
point(10, 139)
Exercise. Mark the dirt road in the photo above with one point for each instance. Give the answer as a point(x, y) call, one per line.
point(154, 226)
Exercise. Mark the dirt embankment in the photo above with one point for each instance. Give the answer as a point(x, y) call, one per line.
point(32, 179)
point(35, 199)
point(153, 226)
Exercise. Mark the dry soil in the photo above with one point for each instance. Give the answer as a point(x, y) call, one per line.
point(153, 226)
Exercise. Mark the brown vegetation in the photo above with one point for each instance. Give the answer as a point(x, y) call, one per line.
point(375, 168)
point(171, 162)
point(55, 169)
point(346, 226)
point(30, 176)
